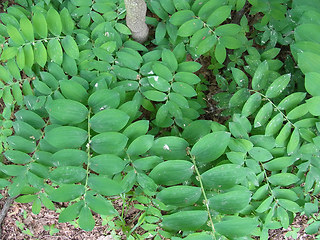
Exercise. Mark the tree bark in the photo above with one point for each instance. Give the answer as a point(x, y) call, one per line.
point(136, 19)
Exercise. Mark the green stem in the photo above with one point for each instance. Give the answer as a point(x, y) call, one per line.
point(88, 154)
point(275, 106)
point(202, 190)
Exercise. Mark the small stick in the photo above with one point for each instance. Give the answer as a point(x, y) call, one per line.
point(5, 210)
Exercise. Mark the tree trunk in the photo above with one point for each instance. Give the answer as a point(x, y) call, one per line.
point(136, 17)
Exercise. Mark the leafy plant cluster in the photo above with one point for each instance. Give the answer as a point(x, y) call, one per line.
point(91, 116)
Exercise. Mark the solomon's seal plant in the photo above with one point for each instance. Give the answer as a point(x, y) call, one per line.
point(91, 116)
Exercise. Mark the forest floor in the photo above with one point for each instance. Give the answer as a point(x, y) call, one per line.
point(20, 223)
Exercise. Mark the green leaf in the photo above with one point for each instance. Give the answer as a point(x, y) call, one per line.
point(67, 111)
point(251, 105)
point(21, 60)
point(26, 198)
point(15, 35)
point(128, 59)
point(274, 125)
point(46, 202)
point(307, 61)
point(9, 53)
point(199, 236)
point(263, 115)
point(179, 195)
point(168, 6)
point(40, 54)
point(147, 184)
point(69, 65)
point(184, 89)
point(109, 120)
point(103, 99)
point(265, 205)
point(313, 105)
point(279, 164)
point(155, 95)
point(298, 112)
point(162, 70)
point(125, 73)
point(40, 24)
point(107, 164)
point(159, 83)
point(86, 220)
point(283, 179)
point(66, 21)
point(99, 183)
point(211, 146)
point(283, 135)
point(220, 52)
point(230, 202)
point(206, 45)
point(17, 186)
point(140, 145)
point(71, 212)
point(70, 47)
point(17, 157)
point(109, 142)
point(136, 129)
point(147, 163)
point(219, 16)
point(294, 142)
point(224, 176)
point(73, 90)
point(278, 85)
point(68, 174)
point(29, 55)
point(239, 97)
point(180, 17)
point(230, 29)
point(27, 29)
point(5, 75)
point(169, 58)
point(187, 77)
point(55, 51)
point(184, 220)
point(19, 143)
point(240, 78)
point(30, 117)
point(65, 192)
point(260, 154)
point(261, 192)
point(289, 205)
point(312, 83)
point(122, 29)
point(41, 87)
point(170, 148)
point(25, 130)
point(69, 157)
point(36, 206)
point(236, 227)
point(13, 170)
point(66, 137)
point(180, 100)
point(259, 74)
point(54, 22)
point(172, 172)
point(231, 42)
point(190, 27)
point(283, 217)
point(196, 130)
point(99, 204)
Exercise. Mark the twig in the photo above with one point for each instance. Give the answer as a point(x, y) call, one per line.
point(5, 210)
